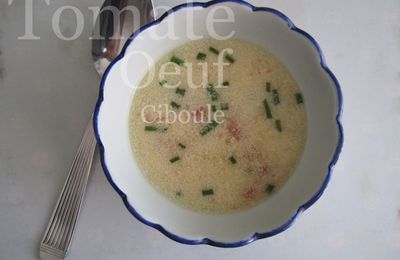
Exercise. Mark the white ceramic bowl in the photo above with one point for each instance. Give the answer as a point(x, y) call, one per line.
point(302, 56)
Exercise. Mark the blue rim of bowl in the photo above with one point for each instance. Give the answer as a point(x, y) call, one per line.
point(255, 236)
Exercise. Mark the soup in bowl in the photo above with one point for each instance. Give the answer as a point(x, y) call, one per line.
point(222, 138)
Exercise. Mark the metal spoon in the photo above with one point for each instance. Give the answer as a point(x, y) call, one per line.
point(113, 36)
point(58, 235)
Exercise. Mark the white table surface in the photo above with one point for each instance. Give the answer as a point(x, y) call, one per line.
point(48, 89)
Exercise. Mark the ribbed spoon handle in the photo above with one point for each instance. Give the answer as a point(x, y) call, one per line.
point(60, 229)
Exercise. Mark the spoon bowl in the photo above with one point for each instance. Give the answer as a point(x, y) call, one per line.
point(114, 25)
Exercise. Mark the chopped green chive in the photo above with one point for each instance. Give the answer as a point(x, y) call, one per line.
point(278, 125)
point(174, 159)
point(175, 105)
point(224, 106)
point(275, 96)
point(207, 128)
point(269, 188)
point(178, 194)
point(229, 58)
point(162, 82)
point(182, 146)
point(299, 98)
point(213, 50)
point(213, 108)
point(151, 128)
point(267, 109)
point(212, 93)
point(232, 160)
point(268, 86)
point(207, 192)
point(180, 91)
point(177, 60)
point(225, 83)
point(201, 56)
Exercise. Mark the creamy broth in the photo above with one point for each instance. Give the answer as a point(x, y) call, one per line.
point(228, 166)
